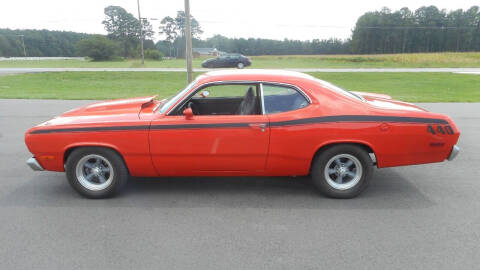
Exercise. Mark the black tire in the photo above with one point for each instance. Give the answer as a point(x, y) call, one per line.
point(342, 152)
point(118, 179)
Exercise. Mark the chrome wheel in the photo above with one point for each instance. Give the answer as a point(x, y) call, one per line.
point(240, 65)
point(343, 171)
point(94, 172)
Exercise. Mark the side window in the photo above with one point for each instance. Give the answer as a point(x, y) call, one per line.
point(219, 91)
point(225, 99)
point(282, 99)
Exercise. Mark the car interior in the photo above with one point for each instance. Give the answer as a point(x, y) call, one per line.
point(242, 99)
point(205, 103)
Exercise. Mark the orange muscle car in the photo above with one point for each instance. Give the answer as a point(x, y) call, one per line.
point(242, 123)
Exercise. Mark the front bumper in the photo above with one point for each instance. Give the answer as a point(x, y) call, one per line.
point(33, 163)
point(453, 153)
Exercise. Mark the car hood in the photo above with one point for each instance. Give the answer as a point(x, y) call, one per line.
point(100, 113)
point(118, 106)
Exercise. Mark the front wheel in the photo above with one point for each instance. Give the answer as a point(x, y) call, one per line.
point(342, 171)
point(240, 65)
point(96, 172)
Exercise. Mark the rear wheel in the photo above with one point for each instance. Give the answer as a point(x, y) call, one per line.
point(96, 172)
point(342, 171)
point(240, 65)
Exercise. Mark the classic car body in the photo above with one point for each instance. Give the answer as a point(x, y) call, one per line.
point(277, 134)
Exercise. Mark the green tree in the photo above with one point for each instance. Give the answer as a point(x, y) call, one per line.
point(168, 27)
point(97, 47)
point(125, 28)
point(195, 26)
point(174, 31)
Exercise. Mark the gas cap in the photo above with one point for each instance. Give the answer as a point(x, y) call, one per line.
point(384, 127)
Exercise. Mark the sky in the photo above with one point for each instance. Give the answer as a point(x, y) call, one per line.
point(273, 19)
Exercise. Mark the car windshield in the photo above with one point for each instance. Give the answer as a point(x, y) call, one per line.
point(339, 90)
point(172, 100)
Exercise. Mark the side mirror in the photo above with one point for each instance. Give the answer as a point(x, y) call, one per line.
point(188, 113)
point(205, 94)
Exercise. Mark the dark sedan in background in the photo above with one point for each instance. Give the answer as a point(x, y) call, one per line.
point(227, 60)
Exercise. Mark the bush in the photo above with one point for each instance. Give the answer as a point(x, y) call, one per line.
point(98, 48)
point(153, 54)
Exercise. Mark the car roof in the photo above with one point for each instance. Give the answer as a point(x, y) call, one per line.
point(254, 75)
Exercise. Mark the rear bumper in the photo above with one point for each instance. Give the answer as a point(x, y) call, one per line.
point(454, 152)
point(33, 163)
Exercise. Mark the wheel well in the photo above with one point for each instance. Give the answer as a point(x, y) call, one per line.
point(70, 150)
point(364, 146)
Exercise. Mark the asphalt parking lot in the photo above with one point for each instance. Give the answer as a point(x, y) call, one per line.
point(417, 217)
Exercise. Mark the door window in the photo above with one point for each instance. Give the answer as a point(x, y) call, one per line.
point(224, 99)
point(282, 99)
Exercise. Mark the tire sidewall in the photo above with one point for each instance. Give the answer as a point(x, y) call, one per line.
point(320, 162)
point(119, 170)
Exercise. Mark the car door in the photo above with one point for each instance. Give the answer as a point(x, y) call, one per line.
point(233, 61)
point(225, 61)
point(290, 150)
point(210, 144)
point(220, 61)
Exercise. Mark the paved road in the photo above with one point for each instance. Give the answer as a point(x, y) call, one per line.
point(418, 217)
point(35, 70)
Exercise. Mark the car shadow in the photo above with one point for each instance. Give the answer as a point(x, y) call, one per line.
point(387, 190)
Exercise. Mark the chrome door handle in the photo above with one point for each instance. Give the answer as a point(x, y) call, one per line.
point(261, 126)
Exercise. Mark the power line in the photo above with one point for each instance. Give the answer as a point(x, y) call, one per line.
point(345, 27)
point(418, 27)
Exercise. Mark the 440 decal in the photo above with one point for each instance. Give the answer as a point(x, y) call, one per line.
point(446, 129)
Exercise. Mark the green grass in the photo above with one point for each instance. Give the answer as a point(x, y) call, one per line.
point(90, 85)
point(369, 61)
point(470, 59)
point(413, 87)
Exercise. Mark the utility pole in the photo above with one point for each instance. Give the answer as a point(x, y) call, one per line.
point(141, 31)
point(188, 38)
point(23, 44)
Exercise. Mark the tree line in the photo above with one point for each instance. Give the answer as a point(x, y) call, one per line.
point(257, 46)
point(39, 42)
point(427, 29)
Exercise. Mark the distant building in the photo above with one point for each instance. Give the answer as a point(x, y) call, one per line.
point(197, 52)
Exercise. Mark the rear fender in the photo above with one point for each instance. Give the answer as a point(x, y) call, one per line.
point(367, 145)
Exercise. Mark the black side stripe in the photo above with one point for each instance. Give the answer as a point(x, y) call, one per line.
point(89, 129)
point(196, 126)
point(359, 118)
point(305, 121)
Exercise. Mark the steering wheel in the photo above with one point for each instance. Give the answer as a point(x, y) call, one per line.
point(194, 108)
